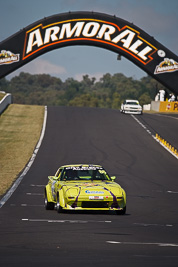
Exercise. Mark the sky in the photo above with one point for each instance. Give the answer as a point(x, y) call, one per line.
point(159, 18)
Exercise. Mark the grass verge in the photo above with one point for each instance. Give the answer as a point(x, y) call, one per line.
point(2, 95)
point(20, 128)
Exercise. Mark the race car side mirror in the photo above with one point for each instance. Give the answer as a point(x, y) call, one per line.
point(53, 178)
point(113, 178)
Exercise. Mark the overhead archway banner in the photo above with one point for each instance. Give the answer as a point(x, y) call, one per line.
point(93, 29)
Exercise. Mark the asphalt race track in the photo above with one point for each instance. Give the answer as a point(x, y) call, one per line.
point(146, 236)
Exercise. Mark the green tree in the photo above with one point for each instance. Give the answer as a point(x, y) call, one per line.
point(116, 101)
point(108, 92)
point(144, 99)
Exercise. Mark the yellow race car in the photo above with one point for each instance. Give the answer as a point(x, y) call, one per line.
point(84, 187)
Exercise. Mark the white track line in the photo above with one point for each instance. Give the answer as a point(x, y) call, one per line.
point(64, 221)
point(38, 185)
point(172, 192)
point(19, 179)
point(142, 125)
point(34, 194)
point(143, 243)
point(153, 224)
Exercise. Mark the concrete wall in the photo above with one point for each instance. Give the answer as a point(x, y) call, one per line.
point(7, 99)
point(155, 105)
point(147, 107)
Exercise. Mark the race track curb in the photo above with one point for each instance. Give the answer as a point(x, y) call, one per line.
point(166, 145)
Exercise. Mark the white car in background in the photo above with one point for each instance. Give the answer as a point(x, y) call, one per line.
point(131, 107)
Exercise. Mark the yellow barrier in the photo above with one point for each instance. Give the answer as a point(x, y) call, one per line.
point(166, 144)
point(168, 106)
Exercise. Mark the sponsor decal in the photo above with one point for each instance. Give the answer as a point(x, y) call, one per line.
point(167, 65)
point(83, 168)
point(93, 192)
point(126, 38)
point(175, 108)
point(96, 197)
point(7, 57)
point(168, 106)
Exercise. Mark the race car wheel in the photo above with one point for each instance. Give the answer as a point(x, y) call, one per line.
point(48, 205)
point(121, 212)
point(58, 206)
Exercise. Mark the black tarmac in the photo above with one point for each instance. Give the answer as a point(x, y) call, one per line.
point(146, 236)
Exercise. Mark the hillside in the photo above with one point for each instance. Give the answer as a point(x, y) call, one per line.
point(108, 92)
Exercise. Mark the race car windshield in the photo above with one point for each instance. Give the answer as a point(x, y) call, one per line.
point(132, 103)
point(83, 174)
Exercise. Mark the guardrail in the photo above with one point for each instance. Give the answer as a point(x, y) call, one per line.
point(4, 103)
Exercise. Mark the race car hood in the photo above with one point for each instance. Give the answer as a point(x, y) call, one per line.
point(133, 106)
point(100, 188)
